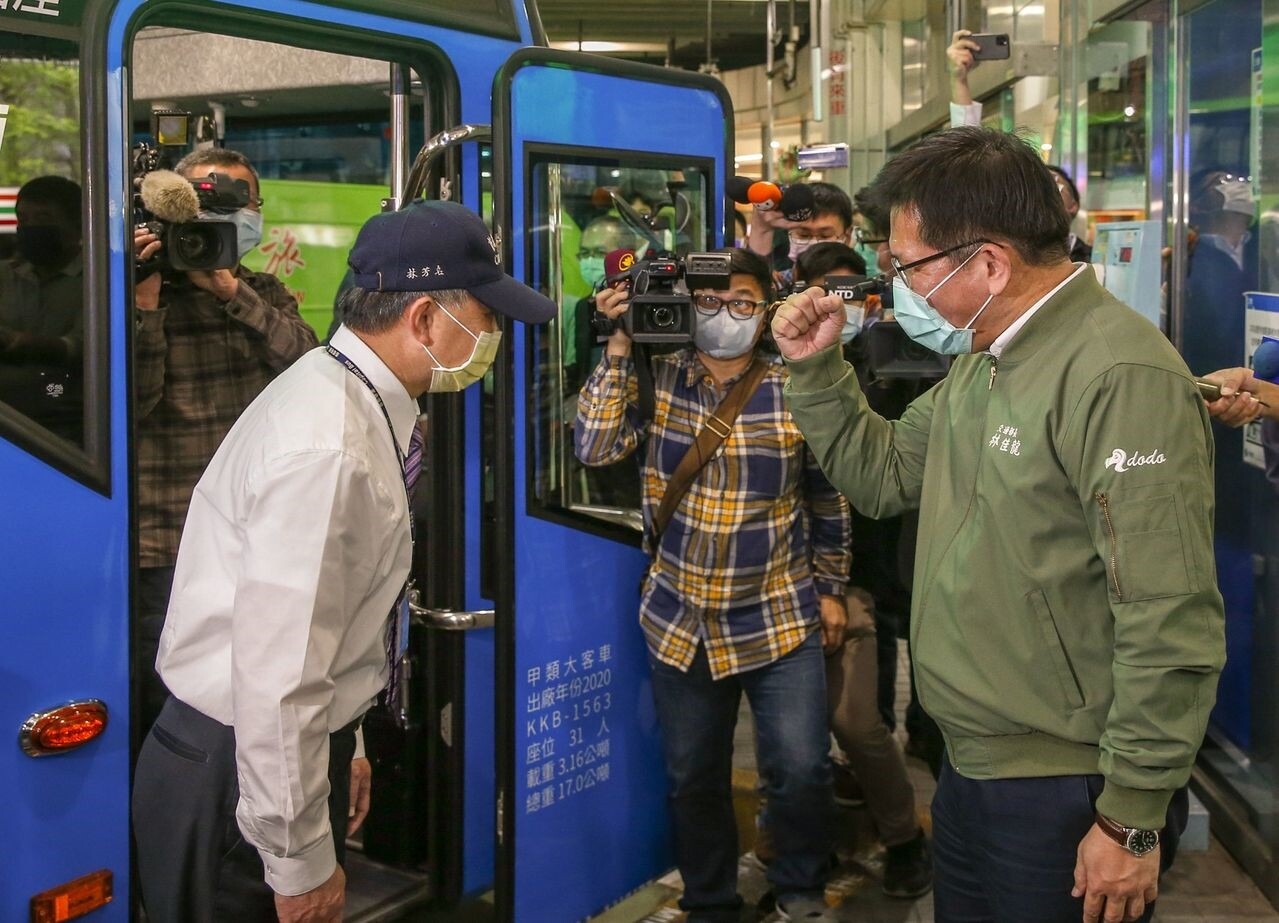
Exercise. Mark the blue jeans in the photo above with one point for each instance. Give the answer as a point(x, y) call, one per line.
point(698, 716)
point(1004, 849)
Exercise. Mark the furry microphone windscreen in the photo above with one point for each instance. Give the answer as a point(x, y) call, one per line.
point(169, 196)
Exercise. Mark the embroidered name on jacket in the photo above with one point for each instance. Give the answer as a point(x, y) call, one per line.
point(1006, 439)
point(1122, 461)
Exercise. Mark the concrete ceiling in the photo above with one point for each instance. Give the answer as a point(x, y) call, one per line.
point(671, 31)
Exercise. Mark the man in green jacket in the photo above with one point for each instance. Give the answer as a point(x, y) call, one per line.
point(1067, 631)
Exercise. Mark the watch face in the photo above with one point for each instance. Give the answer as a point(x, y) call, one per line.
point(1141, 842)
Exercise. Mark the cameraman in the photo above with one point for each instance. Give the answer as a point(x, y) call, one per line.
point(745, 589)
point(206, 343)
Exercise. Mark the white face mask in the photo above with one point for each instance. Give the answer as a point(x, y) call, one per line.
point(458, 377)
point(1237, 196)
point(725, 336)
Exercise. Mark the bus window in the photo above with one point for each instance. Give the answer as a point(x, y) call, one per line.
point(584, 210)
point(319, 144)
point(41, 266)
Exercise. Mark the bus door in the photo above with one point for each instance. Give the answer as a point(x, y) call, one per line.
point(327, 103)
point(591, 155)
point(302, 88)
point(64, 486)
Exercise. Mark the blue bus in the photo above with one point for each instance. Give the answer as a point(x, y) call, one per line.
point(531, 767)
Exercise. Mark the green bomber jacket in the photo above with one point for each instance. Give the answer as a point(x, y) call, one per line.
point(1066, 617)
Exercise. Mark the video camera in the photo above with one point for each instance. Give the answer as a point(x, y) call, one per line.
point(169, 205)
point(661, 304)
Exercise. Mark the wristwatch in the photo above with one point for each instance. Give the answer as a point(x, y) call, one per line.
point(1137, 841)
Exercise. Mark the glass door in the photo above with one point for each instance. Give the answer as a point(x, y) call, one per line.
point(1225, 255)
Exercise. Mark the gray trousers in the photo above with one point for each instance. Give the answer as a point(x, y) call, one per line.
point(873, 753)
point(193, 863)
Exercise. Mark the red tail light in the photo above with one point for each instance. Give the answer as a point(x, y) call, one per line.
point(73, 899)
point(63, 728)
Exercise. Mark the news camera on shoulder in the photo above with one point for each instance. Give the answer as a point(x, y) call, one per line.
point(193, 217)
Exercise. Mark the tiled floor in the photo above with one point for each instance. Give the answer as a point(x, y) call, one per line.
point(1204, 887)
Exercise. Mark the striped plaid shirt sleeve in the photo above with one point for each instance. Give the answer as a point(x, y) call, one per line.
point(608, 427)
point(830, 527)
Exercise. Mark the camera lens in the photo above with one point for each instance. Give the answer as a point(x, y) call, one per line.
point(197, 246)
point(663, 317)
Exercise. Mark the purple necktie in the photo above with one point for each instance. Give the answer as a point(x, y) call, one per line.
point(397, 624)
point(413, 460)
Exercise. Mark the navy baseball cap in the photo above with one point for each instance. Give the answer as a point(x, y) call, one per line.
point(428, 246)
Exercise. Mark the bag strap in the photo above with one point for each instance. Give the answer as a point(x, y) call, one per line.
point(718, 427)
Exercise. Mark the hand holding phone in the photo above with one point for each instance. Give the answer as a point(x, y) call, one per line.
point(991, 46)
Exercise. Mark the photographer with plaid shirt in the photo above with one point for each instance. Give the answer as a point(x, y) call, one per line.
point(745, 588)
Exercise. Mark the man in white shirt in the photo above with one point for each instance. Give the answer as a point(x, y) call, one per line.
point(287, 616)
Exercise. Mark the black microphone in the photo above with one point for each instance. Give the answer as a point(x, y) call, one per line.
point(737, 188)
point(797, 202)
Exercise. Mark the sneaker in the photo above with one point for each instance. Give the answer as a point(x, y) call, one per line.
point(908, 868)
point(848, 791)
point(807, 909)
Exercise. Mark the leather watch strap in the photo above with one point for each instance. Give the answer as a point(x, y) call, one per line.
point(1124, 835)
point(1115, 831)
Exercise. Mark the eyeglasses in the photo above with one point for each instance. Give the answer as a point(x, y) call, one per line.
point(901, 269)
point(860, 236)
point(802, 236)
point(740, 308)
point(597, 252)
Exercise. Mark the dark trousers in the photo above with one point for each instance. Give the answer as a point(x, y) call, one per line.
point(193, 863)
point(1004, 849)
point(698, 715)
point(154, 586)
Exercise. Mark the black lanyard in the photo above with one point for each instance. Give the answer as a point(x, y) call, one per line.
point(386, 415)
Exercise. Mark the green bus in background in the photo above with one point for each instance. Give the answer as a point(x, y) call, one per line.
point(309, 229)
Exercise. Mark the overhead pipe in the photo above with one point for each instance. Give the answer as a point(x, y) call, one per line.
point(815, 39)
point(769, 72)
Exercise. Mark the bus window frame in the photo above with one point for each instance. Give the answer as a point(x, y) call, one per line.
point(537, 154)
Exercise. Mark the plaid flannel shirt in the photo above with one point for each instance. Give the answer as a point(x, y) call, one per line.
point(759, 534)
point(198, 362)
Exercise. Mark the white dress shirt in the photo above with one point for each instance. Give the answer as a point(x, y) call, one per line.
point(295, 549)
point(1001, 342)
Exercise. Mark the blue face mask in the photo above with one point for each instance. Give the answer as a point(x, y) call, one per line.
point(871, 256)
point(248, 230)
point(854, 320)
point(924, 324)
